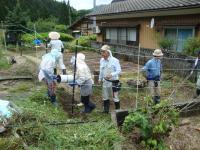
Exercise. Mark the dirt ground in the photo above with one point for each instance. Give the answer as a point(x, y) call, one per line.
point(185, 137)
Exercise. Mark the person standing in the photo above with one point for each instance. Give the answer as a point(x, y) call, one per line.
point(110, 70)
point(46, 73)
point(153, 70)
point(55, 43)
point(84, 80)
point(196, 68)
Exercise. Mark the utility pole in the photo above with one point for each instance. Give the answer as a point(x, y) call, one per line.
point(94, 18)
point(69, 12)
point(4, 37)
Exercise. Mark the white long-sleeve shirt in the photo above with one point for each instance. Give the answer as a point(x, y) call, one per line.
point(83, 73)
point(47, 64)
point(56, 44)
point(111, 66)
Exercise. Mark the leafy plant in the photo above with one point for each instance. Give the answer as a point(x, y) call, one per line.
point(43, 25)
point(83, 41)
point(61, 28)
point(3, 61)
point(191, 46)
point(29, 38)
point(154, 123)
point(166, 44)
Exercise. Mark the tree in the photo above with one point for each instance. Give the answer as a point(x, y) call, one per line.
point(16, 19)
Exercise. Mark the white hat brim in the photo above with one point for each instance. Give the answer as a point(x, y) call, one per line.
point(54, 35)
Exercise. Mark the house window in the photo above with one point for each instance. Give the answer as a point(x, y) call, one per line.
point(179, 35)
point(121, 35)
point(131, 35)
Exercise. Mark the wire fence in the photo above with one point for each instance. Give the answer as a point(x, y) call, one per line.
point(175, 64)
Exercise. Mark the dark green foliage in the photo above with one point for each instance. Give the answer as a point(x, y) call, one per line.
point(192, 46)
point(83, 41)
point(28, 38)
point(66, 37)
point(4, 64)
point(61, 28)
point(36, 9)
point(166, 44)
point(153, 122)
point(17, 17)
point(43, 25)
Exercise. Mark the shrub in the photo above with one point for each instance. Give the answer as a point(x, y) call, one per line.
point(43, 25)
point(66, 37)
point(4, 64)
point(191, 46)
point(166, 44)
point(29, 38)
point(83, 41)
point(61, 28)
point(153, 122)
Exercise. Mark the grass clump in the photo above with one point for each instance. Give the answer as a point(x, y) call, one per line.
point(4, 64)
point(35, 129)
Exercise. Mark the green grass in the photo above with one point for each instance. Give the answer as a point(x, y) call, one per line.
point(34, 129)
point(24, 87)
point(4, 64)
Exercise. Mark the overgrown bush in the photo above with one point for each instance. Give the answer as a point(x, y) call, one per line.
point(43, 25)
point(29, 38)
point(83, 41)
point(61, 28)
point(191, 46)
point(4, 64)
point(66, 37)
point(152, 124)
point(166, 44)
point(35, 129)
point(47, 25)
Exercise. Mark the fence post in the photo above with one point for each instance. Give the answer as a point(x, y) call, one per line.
point(4, 37)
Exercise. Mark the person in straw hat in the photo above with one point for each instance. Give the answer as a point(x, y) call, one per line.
point(196, 69)
point(55, 43)
point(153, 70)
point(110, 70)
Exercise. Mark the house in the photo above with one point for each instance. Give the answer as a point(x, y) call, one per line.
point(145, 22)
point(81, 27)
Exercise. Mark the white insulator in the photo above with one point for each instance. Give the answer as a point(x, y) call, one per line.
point(67, 78)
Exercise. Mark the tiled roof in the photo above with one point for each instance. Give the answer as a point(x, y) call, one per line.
point(144, 5)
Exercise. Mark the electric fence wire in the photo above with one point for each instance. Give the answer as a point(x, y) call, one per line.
point(143, 56)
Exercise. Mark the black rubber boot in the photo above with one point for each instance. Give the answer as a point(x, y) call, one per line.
point(156, 99)
point(55, 71)
point(91, 105)
point(117, 105)
point(85, 101)
point(106, 106)
point(64, 71)
point(53, 100)
point(198, 92)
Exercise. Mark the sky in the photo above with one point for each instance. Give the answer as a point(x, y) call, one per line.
point(86, 4)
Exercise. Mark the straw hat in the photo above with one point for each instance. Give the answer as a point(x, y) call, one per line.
point(105, 48)
point(158, 53)
point(54, 35)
